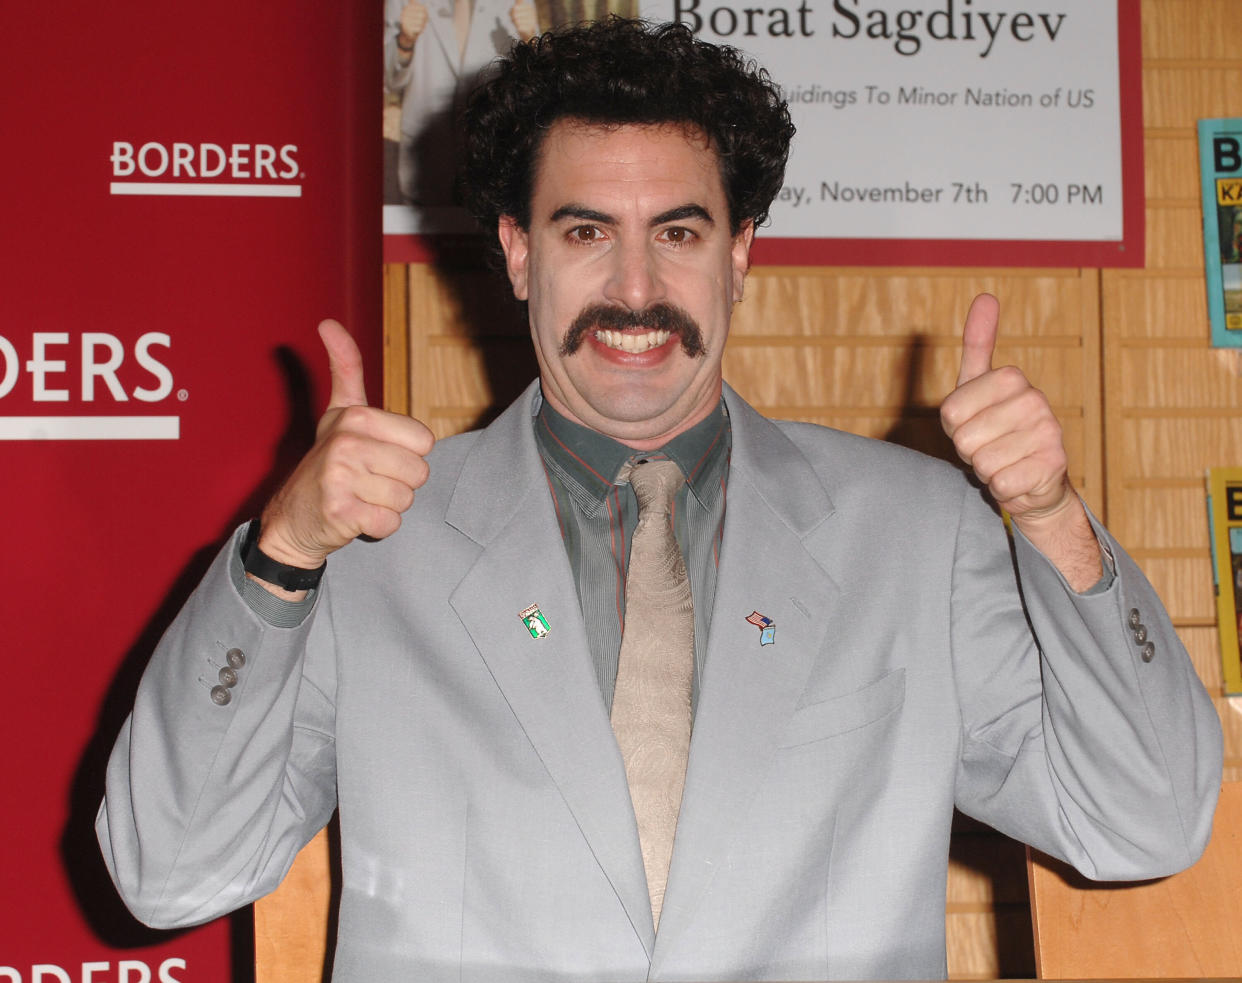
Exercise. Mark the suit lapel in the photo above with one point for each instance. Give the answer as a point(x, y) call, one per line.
point(776, 505)
point(440, 25)
point(749, 690)
point(549, 683)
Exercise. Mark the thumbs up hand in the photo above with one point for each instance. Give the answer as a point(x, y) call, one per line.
point(357, 479)
point(1004, 428)
point(413, 20)
point(525, 19)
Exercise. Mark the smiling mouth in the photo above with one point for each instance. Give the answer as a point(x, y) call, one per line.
point(632, 343)
point(634, 332)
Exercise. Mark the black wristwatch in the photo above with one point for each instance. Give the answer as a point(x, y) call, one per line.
point(255, 561)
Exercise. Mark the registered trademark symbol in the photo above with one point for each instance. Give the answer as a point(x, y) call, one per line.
point(183, 395)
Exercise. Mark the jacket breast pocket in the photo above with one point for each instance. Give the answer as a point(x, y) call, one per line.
point(851, 711)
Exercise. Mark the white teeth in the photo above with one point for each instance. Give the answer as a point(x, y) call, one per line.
point(635, 344)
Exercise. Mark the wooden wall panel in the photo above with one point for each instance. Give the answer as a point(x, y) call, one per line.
point(293, 924)
point(1231, 718)
point(1164, 310)
point(1200, 641)
point(1174, 238)
point(1175, 91)
point(875, 351)
point(1173, 380)
point(1160, 516)
point(1197, 30)
point(1172, 404)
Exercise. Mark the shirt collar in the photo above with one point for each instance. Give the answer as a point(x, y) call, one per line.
point(589, 461)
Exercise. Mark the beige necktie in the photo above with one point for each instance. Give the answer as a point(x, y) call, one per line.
point(651, 703)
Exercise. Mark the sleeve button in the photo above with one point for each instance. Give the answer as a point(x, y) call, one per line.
point(1149, 651)
point(220, 696)
point(228, 676)
point(1134, 619)
point(1140, 634)
point(236, 658)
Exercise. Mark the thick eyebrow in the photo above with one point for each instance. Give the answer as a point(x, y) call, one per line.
point(583, 213)
point(683, 212)
point(677, 214)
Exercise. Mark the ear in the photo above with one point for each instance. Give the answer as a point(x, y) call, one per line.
point(741, 257)
point(515, 242)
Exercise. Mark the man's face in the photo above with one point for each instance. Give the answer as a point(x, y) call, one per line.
point(631, 273)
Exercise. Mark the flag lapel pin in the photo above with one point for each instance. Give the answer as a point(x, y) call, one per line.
point(766, 626)
point(534, 621)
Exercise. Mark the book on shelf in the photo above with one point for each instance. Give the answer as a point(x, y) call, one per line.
point(1220, 179)
point(1225, 524)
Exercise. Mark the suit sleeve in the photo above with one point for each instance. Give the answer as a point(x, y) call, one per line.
point(1097, 743)
point(207, 802)
point(396, 75)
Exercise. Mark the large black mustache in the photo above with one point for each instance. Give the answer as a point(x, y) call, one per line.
point(657, 317)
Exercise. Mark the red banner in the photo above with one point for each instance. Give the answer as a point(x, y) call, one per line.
point(189, 190)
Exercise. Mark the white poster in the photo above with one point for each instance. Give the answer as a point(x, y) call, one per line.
point(951, 120)
point(961, 132)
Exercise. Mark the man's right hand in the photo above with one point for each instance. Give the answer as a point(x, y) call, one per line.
point(413, 21)
point(356, 480)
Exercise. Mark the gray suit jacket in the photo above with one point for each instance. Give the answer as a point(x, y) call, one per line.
point(487, 832)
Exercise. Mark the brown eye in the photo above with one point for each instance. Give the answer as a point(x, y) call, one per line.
point(585, 233)
point(677, 236)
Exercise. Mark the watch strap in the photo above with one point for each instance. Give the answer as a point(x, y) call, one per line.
point(287, 577)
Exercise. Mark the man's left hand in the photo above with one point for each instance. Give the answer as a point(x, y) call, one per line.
point(1004, 428)
point(525, 19)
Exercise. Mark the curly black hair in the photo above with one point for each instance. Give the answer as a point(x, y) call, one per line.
point(613, 72)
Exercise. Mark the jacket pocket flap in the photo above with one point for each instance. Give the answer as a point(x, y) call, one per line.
point(841, 714)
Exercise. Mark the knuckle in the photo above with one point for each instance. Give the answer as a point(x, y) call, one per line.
point(1048, 439)
point(965, 441)
point(382, 523)
point(342, 450)
point(1005, 486)
point(355, 418)
point(984, 466)
point(1012, 378)
point(1035, 401)
point(349, 446)
point(1049, 428)
point(420, 440)
point(336, 511)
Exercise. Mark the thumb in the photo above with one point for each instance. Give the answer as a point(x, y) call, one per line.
point(345, 365)
point(979, 338)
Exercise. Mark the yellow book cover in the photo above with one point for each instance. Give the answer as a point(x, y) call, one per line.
point(1225, 519)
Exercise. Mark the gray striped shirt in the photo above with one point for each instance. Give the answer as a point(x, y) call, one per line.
point(597, 516)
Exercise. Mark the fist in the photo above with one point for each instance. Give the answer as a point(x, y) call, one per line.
point(357, 479)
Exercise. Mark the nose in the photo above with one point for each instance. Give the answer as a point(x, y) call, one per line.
point(634, 279)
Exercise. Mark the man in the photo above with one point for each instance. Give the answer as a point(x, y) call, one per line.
point(432, 56)
point(448, 682)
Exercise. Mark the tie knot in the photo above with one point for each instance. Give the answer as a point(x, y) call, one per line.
point(656, 483)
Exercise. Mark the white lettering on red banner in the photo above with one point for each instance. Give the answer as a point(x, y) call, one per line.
point(102, 373)
point(258, 170)
point(126, 971)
